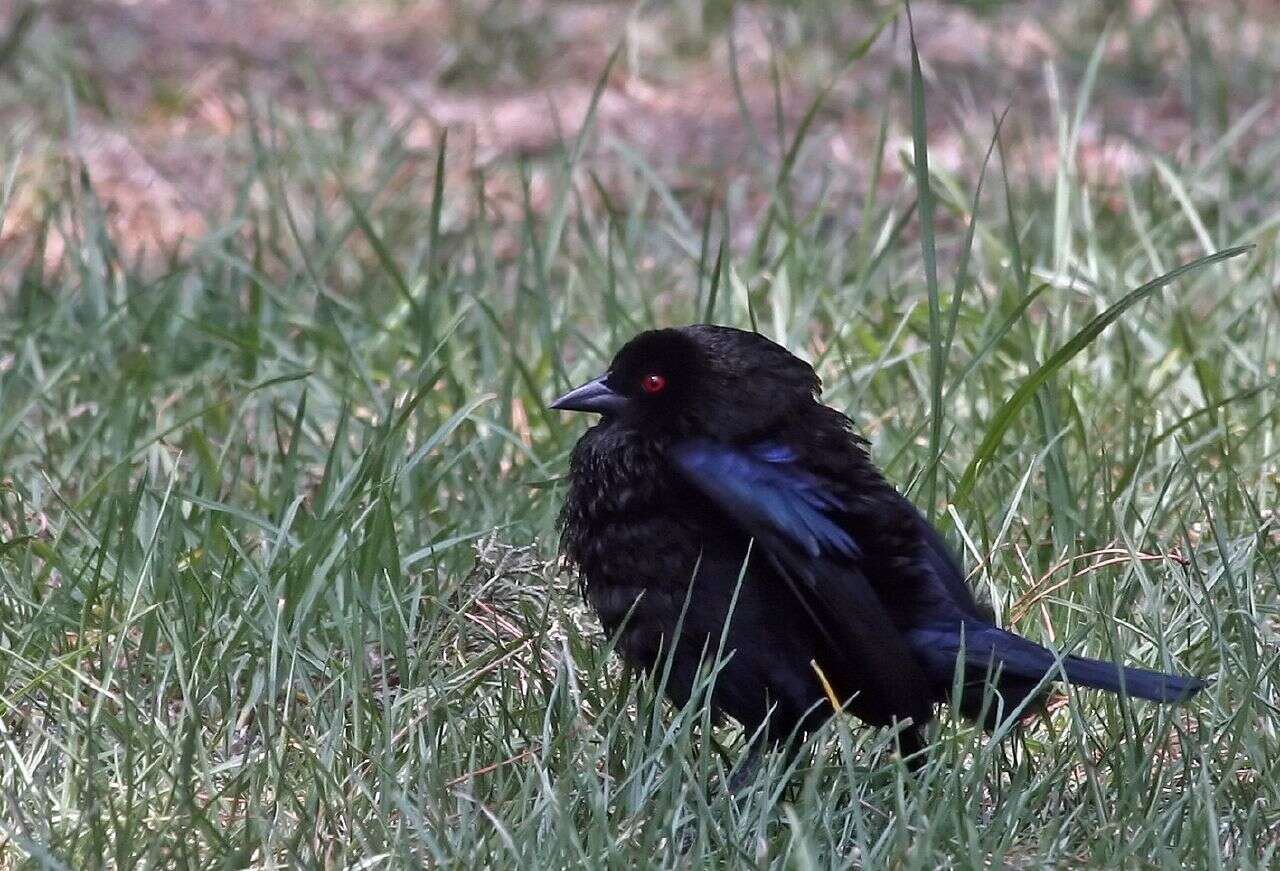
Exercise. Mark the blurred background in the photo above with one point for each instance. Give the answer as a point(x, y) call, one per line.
point(163, 103)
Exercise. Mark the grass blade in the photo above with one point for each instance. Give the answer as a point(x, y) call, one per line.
point(1003, 418)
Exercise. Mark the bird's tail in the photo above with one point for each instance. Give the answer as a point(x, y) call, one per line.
point(1158, 686)
point(1022, 664)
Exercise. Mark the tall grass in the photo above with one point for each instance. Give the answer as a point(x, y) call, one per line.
point(277, 578)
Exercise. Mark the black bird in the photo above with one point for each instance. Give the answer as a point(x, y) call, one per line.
point(715, 461)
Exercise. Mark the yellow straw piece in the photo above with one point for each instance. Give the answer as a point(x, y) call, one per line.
point(826, 685)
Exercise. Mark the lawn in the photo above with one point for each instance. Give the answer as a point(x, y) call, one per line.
point(279, 582)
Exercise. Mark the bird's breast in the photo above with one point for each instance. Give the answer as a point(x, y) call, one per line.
point(629, 521)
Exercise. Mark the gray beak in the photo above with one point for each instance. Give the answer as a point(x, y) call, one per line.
point(594, 396)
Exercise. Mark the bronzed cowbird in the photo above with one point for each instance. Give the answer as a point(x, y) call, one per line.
point(715, 475)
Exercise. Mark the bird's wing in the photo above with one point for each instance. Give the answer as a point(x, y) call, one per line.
point(792, 515)
point(764, 490)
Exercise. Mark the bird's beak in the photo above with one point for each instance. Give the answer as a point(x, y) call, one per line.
point(594, 396)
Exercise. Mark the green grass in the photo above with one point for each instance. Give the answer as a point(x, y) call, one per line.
point(278, 581)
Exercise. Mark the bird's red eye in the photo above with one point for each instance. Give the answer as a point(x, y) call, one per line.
point(652, 383)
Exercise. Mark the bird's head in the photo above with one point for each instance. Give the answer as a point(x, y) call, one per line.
point(698, 380)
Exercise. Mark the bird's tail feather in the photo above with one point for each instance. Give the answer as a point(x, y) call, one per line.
point(1017, 658)
point(1158, 686)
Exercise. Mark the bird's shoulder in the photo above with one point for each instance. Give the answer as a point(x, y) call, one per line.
point(903, 558)
point(826, 444)
point(806, 483)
